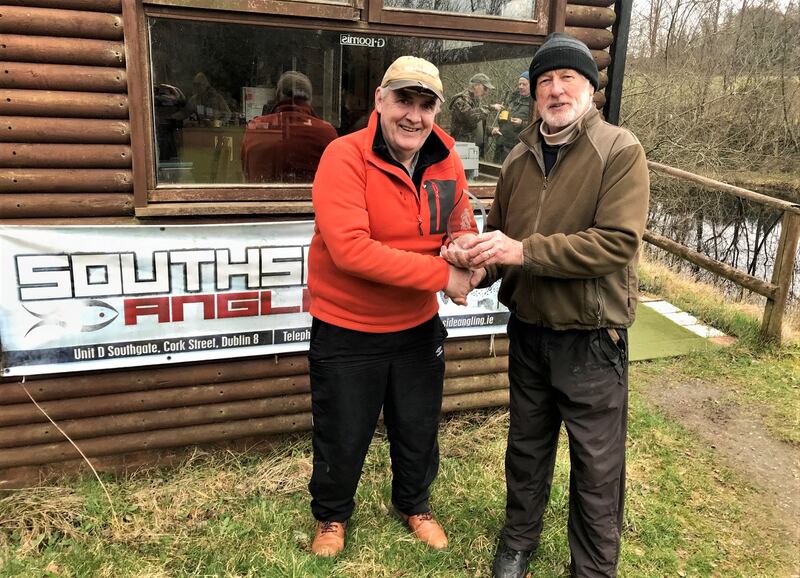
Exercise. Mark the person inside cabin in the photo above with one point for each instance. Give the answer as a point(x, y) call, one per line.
point(563, 236)
point(285, 145)
point(515, 116)
point(206, 105)
point(383, 197)
point(468, 117)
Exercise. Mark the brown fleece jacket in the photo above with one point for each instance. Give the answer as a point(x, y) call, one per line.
point(581, 227)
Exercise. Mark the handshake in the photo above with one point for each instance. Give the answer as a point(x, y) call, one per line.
point(469, 255)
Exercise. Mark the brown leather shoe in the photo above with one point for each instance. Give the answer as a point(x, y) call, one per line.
point(329, 540)
point(425, 527)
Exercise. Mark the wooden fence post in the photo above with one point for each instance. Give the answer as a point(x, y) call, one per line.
point(782, 277)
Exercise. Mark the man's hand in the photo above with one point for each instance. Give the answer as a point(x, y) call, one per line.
point(455, 253)
point(476, 277)
point(497, 106)
point(515, 120)
point(458, 285)
point(496, 131)
point(493, 248)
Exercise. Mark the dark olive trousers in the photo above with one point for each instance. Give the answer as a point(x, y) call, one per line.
point(580, 378)
point(353, 375)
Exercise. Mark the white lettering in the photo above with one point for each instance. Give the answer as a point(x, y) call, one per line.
point(192, 260)
point(365, 41)
point(159, 280)
point(281, 266)
point(227, 268)
point(96, 275)
point(44, 277)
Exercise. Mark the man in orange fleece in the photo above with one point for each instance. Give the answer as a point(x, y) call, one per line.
point(383, 198)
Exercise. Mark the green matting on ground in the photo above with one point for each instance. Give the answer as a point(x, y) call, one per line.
point(653, 335)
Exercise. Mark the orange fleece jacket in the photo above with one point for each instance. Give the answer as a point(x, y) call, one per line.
point(374, 262)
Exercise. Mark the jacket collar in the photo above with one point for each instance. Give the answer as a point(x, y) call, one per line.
point(532, 136)
point(294, 106)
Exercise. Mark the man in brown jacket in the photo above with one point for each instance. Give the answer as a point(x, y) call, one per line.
point(564, 235)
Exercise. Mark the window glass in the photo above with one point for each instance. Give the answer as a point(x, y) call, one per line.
point(238, 104)
point(516, 9)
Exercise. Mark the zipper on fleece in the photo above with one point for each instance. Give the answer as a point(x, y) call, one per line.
point(438, 206)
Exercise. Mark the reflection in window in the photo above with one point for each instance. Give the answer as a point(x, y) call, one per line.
point(244, 104)
point(516, 9)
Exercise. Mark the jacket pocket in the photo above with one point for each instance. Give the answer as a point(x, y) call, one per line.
point(592, 302)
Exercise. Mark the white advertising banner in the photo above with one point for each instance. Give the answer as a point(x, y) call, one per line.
point(80, 298)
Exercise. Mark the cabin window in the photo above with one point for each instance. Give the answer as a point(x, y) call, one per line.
point(509, 16)
point(246, 109)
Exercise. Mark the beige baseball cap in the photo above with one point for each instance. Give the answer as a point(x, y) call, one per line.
point(413, 72)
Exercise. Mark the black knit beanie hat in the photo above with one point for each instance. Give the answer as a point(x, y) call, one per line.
point(560, 50)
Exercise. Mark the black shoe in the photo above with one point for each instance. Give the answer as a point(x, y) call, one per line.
point(510, 563)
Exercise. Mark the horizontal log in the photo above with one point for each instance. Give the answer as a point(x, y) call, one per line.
point(41, 155)
point(65, 205)
point(143, 421)
point(199, 434)
point(293, 208)
point(265, 368)
point(602, 79)
point(166, 438)
point(713, 184)
point(462, 402)
point(63, 77)
point(120, 403)
point(63, 103)
point(94, 5)
point(60, 221)
point(723, 270)
point(480, 347)
point(590, 16)
point(594, 38)
point(63, 130)
point(599, 99)
point(602, 58)
point(13, 393)
point(157, 377)
point(599, 3)
point(49, 49)
point(55, 22)
point(472, 383)
point(65, 180)
point(478, 366)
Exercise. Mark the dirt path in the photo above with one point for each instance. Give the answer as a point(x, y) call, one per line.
point(738, 435)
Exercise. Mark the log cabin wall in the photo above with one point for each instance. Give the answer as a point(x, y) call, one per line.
point(65, 139)
point(65, 157)
point(149, 409)
point(589, 21)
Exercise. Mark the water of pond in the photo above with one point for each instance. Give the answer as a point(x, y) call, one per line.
point(737, 232)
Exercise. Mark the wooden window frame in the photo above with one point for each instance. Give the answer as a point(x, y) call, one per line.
point(311, 8)
point(151, 200)
point(539, 26)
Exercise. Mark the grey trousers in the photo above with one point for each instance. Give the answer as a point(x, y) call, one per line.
point(580, 378)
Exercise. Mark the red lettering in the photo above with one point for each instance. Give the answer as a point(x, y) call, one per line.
point(244, 304)
point(179, 301)
point(268, 309)
point(135, 308)
point(215, 306)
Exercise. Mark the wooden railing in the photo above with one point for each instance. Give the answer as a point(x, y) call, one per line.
point(776, 291)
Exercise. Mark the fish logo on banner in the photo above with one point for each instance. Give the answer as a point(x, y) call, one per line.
point(93, 315)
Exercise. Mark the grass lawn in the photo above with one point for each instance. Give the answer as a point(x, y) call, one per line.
point(224, 514)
